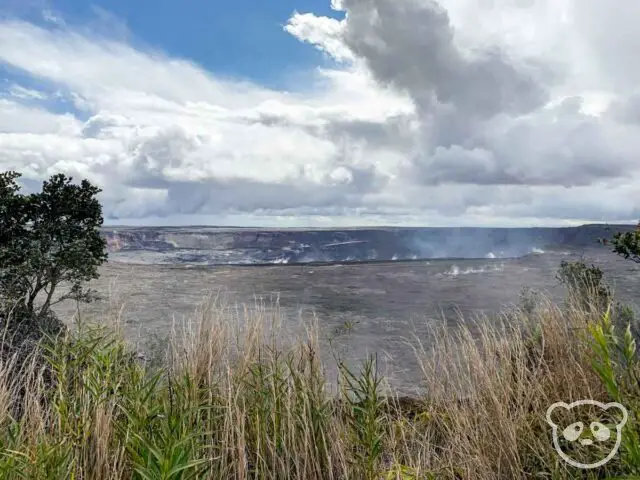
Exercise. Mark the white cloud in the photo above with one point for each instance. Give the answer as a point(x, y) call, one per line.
point(459, 112)
point(22, 93)
point(50, 16)
point(17, 118)
point(323, 32)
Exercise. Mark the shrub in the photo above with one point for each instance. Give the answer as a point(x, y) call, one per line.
point(585, 284)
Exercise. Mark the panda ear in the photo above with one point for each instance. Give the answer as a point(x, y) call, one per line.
point(618, 412)
point(555, 412)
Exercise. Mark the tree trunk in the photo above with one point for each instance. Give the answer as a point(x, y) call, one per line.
point(34, 294)
point(47, 302)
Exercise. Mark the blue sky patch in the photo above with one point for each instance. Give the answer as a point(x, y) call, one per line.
point(234, 39)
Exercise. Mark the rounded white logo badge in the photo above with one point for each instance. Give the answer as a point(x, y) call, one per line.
point(586, 434)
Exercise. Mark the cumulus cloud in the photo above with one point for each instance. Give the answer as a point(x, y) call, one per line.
point(452, 112)
point(502, 101)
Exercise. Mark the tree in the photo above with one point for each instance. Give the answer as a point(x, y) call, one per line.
point(627, 244)
point(49, 241)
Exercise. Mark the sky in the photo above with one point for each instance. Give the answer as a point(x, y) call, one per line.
point(320, 113)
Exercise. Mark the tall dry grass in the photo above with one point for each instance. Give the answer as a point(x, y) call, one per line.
point(237, 400)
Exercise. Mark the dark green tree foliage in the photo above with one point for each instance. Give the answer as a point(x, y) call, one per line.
point(50, 244)
point(627, 244)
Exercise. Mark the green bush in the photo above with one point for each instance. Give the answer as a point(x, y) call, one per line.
point(585, 283)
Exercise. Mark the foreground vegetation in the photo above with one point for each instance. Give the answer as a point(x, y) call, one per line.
point(233, 401)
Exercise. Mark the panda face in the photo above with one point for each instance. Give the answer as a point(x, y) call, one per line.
point(586, 433)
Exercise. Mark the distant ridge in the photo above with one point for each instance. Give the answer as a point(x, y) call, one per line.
point(229, 245)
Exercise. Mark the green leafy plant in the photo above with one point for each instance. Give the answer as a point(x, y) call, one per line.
point(616, 362)
point(366, 414)
point(164, 446)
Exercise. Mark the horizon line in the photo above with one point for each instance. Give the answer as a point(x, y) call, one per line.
point(366, 227)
